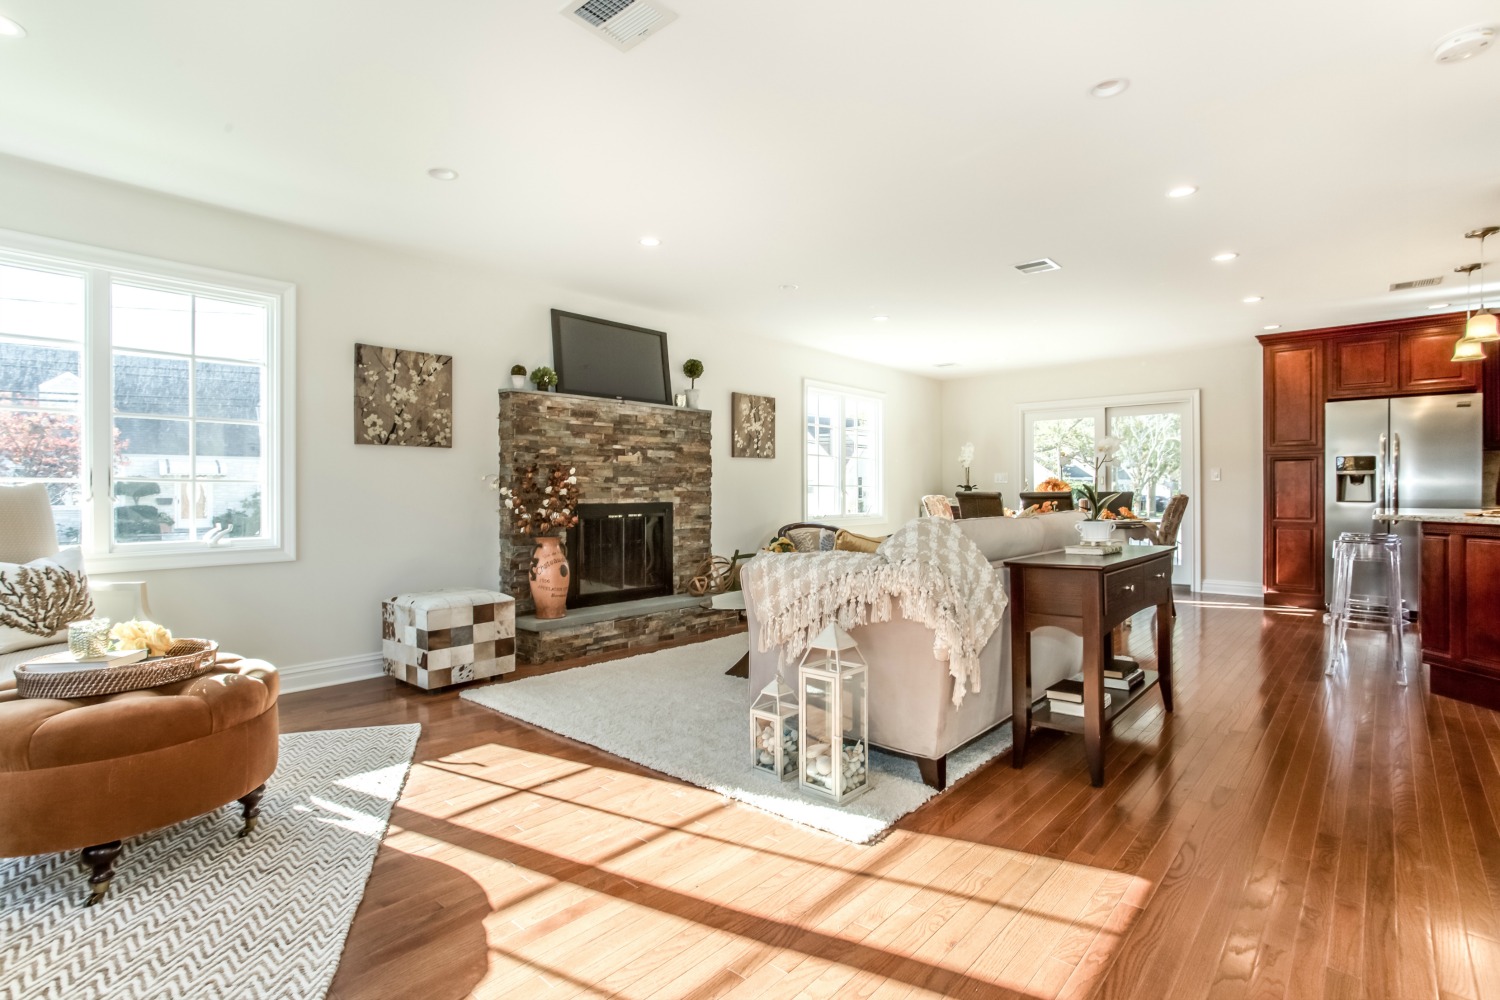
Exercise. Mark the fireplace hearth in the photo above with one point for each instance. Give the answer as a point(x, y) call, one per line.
point(620, 552)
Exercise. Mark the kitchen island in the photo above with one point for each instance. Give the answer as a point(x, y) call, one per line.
point(1460, 602)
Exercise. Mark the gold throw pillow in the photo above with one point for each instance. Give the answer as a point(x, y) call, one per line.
point(848, 541)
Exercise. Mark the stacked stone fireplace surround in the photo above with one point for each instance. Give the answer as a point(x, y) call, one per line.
point(625, 453)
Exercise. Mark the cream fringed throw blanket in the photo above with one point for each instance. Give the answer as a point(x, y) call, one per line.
point(940, 578)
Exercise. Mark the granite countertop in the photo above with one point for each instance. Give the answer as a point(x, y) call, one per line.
point(1450, 514)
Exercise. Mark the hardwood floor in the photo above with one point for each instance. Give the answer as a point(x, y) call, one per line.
point(1280, 835)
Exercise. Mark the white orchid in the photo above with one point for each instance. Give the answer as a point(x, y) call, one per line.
point(966, 455)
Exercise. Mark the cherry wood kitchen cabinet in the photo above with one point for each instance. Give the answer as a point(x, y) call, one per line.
point(1294, 396)
point(1363, 367)
point(1490, 386)
point(1460, 598)
point(1306, 369)
point(1427, 365)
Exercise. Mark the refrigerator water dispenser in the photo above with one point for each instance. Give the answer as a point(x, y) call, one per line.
point(1355, 477)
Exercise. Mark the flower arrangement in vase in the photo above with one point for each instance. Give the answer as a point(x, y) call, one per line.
point(542, 510)
point(966, 462)
point(543, 378)
point(1092, 528)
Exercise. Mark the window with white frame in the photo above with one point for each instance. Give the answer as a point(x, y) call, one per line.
point(147, 397)
point(843, 451)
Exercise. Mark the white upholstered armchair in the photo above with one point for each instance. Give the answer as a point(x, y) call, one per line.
point(27, 532)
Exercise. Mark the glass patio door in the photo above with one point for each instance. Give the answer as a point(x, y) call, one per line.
point(1155, 459)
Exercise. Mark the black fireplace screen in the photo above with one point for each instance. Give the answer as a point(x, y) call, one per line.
point(620, 552)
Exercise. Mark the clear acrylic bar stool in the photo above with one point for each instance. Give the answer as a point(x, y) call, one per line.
point(1382, 610)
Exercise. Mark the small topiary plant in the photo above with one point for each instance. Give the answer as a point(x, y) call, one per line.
point(518, 369)
point(693, 369)
point(543, 377)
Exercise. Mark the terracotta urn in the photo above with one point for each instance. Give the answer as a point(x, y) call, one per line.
point(549, 577)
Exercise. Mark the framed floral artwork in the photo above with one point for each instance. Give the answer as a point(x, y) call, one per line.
point(402, 397)
point(752, 426)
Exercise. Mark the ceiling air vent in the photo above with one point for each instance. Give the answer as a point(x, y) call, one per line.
point(622, 23)
point(1038, 266)
point(1402, 286)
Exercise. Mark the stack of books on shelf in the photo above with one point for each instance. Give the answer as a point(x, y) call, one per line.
point(1066, 697)
point(1123, 675)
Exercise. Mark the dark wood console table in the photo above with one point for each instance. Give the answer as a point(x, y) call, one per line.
point(1089, 596)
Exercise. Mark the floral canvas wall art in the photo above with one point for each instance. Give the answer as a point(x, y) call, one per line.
point(402, 397)
point(752, 426)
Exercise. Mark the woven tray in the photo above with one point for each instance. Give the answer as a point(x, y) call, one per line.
point(187, 658)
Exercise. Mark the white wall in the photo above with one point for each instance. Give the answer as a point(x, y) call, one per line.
point(377, 520)
point(984, 410)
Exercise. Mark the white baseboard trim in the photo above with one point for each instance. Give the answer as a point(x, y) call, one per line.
point(326, 673)
point(1233, 588)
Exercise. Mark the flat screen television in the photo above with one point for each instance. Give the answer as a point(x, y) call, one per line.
point(595, 357)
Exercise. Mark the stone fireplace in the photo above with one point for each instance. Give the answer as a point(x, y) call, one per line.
point(619, 552)
point(645, 477)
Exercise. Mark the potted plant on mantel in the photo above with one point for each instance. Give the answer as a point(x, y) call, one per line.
point(1092, 528)
point(693, 369)
point(543, 378)
point(518, 376)
point(542, 509)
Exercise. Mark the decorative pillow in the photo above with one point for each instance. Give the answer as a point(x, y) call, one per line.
point(848, 541)
point(810, 539)
point(38, 599)
point(781, 543)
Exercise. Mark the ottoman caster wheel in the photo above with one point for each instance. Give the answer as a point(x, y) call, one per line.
point(250, 804)
point(100, 859)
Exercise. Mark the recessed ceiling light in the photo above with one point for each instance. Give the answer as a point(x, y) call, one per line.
point(1463, 45)
point(650, 241)
point(443, 174)
point(1438, 305)
point(11, 29)
point(880, 319)
point(1181, 191)
point(1271, 326)
point(788, 288)
point(1251, 299)
point(1226, 255)
point(1109, 88)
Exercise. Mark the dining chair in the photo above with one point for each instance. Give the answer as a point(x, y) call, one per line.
point(937, 505)
point(976, 503)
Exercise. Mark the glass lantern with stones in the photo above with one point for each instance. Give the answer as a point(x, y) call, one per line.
point(834, 714)
point(773, 730)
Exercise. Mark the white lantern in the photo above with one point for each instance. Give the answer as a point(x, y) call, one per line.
point(834, 712)
point(773, 730)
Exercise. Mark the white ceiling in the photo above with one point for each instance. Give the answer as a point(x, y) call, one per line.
point(888, 158)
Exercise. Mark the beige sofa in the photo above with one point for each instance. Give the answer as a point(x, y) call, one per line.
point(911, 692)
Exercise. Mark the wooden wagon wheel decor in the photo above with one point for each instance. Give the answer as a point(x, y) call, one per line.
point(717, 575)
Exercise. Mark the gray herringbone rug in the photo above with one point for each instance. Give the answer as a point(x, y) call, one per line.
point(195, 912)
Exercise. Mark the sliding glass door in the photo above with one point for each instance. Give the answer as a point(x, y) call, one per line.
point(1156, 457)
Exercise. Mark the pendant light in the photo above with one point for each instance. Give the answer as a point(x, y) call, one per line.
point(1467, 348)
point(1482, 326)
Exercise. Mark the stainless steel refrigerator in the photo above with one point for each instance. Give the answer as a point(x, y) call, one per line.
point(1399, 453)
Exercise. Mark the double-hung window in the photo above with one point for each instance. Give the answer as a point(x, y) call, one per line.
point(843, 452)
point(152, 400)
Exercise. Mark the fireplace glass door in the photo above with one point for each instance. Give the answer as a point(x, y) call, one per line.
point(620, 552)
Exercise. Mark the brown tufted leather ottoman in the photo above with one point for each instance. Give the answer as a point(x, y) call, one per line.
point(86, 773)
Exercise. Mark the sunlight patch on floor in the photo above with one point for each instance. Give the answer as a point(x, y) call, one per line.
point(610, 882)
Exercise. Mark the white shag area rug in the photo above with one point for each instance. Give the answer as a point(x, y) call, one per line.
point(674, 711)
point(196, 912)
